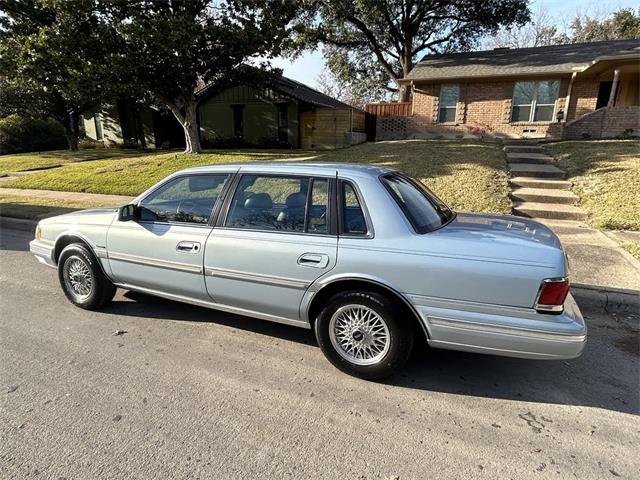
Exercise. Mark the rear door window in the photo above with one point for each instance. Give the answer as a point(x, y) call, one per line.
point(280, 203)
point(352, 214)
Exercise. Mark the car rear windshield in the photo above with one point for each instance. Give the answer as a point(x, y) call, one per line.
point(423, 209)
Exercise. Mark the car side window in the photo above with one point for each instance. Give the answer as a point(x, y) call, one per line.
point(186, 199)
point(317, 216)
point(280, 203)
point(353, 220)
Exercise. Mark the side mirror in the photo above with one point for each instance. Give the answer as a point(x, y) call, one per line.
point(128, 213)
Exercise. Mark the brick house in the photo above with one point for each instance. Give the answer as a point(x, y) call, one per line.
point(588, 90)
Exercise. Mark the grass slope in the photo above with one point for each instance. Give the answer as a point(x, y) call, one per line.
point(468, 175)
point(606, 177)
point(40, 160)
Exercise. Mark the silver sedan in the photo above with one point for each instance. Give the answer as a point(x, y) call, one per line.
point(367, 257)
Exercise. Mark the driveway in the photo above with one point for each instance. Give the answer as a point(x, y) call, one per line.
point(193, 393)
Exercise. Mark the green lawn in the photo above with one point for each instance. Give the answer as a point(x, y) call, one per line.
point(606, 177)
point(468, 175)
point(37, 160)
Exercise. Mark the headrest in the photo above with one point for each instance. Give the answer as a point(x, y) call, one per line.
point(296, 200)
point(259, 200)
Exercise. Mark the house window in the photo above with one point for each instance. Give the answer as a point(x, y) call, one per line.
point(534, 101)
point(238, 121)
point(283, 122)
point(448, 102)
point(97, 121)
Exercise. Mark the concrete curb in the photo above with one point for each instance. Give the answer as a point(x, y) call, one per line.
point(18, 224)
point(607, 298)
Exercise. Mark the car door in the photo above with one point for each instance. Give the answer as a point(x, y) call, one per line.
point(272, 240)
point(162, 250)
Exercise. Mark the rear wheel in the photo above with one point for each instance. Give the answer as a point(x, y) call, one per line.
point(361, 333)
point(82, 279)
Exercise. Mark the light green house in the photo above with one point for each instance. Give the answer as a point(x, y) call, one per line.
point(284, 113)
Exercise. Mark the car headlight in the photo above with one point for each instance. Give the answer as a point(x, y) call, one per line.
point(38, 232)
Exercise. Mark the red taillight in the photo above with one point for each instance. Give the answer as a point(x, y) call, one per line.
point(552, 294)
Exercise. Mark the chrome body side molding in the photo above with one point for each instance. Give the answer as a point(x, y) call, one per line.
point(256, 278)
point(153, 262)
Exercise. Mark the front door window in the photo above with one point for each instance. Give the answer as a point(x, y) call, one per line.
point(187, 199)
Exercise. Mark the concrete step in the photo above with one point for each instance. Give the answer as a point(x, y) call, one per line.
point(523, 149)
point(544, 195)
point(535, 170)
point(531, 182)
point(549, 211)
point(575, 227)
point(528, 158)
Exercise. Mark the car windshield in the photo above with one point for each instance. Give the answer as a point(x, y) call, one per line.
point(423, 209)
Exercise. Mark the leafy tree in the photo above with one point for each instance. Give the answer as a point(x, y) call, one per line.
point(540, 31)
point(54, 57)
point(173, 48)
point(396, 32)
point(620, 25)
point(337, 81)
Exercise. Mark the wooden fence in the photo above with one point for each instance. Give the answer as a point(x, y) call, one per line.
point(395, 109)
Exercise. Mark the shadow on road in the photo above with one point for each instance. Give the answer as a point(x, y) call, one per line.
point(607, 375)
point(14, 240)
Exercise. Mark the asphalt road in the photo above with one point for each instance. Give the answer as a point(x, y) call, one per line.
point(192, 393)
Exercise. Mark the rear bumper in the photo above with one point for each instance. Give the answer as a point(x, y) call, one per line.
point(43, 252)
point(512, 332)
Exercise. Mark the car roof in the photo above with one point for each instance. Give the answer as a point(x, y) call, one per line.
point(296, 168)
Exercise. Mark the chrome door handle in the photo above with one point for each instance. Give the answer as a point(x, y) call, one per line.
point(188, 247)
point(316, 260)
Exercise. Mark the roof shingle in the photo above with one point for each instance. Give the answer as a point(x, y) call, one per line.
point(556, 59)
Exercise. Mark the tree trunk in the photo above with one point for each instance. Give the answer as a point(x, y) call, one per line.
point(404, 93)
point(188, 119)
point(404, 90)
point(139, 126)
point(72, 130)
point(191, 130)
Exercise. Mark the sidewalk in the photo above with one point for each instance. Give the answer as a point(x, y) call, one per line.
point(595, 259)
point(115, 200)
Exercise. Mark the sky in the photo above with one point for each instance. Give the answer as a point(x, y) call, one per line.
point(307, 67)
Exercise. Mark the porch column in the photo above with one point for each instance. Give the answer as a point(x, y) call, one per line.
point(614, 87)
point(567, 99)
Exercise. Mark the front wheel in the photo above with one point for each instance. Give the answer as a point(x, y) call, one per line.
point(82, 279)
point(361, 334)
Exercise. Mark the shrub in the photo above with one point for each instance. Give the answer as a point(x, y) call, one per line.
point(19, 134)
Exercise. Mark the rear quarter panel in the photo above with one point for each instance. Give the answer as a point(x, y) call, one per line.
point(505, 272)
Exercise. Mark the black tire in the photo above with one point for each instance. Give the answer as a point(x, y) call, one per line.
point(398, 330)
point(100, 292)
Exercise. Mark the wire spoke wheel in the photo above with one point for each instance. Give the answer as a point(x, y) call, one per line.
point(359, 334)
point(78, 278)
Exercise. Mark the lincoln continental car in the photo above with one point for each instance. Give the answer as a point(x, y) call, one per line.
point(368, 258)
